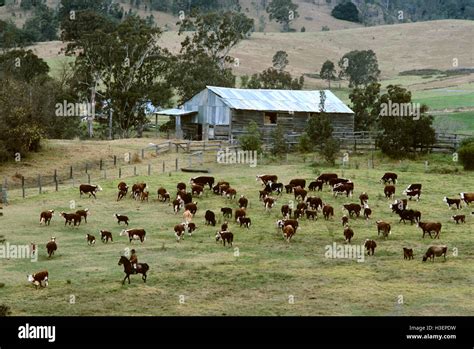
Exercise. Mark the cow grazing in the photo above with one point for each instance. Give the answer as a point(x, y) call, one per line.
point(191, 228)
point(197, 190)
point(383, 227)
point(262, 194)
point(410, 215)
point(51, 247)
point(192, 207)
point(286, 211)
point(71, 217)
point(344, 220)
point(181, 186)
point(121, 218)
point(325, 177)
point(348, 234)
point(83, 213)
point(302, 206)
point(187, 216)
point(299, 193)
point(220, 186)
point(364, 198)
point(435, 251)
point(467, 197)
point(105, 236)
point(267, 178)
point(134, 234)
point(210, 218)
point(268, 203)
point(298, 213)
point(243, 202)
point(274, 187)
point(239, 213)
point(389, 177)
point(367, 211)
point(341, 188)
point(430, 227)
point(310, 214)
point(316, 185)
point(353, 209)
point(45, 217)
point(185, 197)
point(224, 226)
point(179, 230)
point(459, 218)
point(314, 202)
point(407, 253)
point(370, 245)
point(144, 195)
point(90, 239)
point(298, 183)
point(39, 279)
point(202, 181)
point(328, 211)
point(89, 189)
point(225, 236)
point(389, 191)
point(288, 188)
point(288, 232)
point(452, 202)
point(245, 221)
point(226, 212)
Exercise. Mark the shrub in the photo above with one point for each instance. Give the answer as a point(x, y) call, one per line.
point(252, 139)
point(346, 11)
point(330, 150)
point(466, 156)
point(279, 144)
point(304, 144)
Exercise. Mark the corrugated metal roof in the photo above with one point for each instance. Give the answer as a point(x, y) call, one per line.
point(279, 100)
point(175, 112)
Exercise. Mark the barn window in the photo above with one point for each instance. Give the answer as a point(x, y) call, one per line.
point(270, 118)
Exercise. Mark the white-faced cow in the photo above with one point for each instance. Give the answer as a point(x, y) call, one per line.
point(389, 177)
point(40, 279)
point(45, 217)
point(452, 202)
point(89, 189)
point(134, 234)
point(467, 197)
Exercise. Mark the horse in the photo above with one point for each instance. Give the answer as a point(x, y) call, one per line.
point(142, 268)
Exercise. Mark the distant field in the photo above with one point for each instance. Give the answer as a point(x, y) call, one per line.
point(261, 273)
point(455, 122)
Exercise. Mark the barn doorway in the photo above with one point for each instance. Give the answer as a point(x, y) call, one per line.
point(199, 132)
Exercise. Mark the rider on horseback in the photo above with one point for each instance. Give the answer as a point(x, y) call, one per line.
point(134, 259)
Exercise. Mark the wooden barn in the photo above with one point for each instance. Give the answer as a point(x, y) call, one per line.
point(224, 113)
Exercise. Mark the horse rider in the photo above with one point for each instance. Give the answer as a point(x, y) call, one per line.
point(134, 259)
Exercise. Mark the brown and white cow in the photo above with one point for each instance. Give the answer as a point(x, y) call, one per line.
point(134, 234)
point(179, 230)
point(191, 207)
point(364, 198)
point(286, 211)
point(467, 197)
point(353, 209)
point(299, 193)
point(40, 278)
point(316, 185)
point(267, 178)
point(51, 247)
point(348, 234)
point(89, 189)
point(452, 202)
point(459, 218)
point(243, 201)
point(288, 232)
point(83, 213)
point(383, 227)
point(325, 177)
point(90, 239)
point(389, 177)
point(268, 203)
point(389, 191)
point(370, 245)
point(239, 213)
point(71, 217)
point(225, 236)
point(105, 236)
point(45, 217)
point(341, 188)
point(328, 211)
point(202, 181)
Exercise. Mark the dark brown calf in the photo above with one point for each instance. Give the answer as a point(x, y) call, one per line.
point(105, 236)
point(90, 239)
point(83, 213)
point(348, 234)
point(225, 236)
point(46, 216)
point(121, 218)
point(370, 245)
point(51, 247)
point(243, 202)
point(429, 227)
point(71, 217)
point(459, 218)
point(328, 211)
point(407, 253)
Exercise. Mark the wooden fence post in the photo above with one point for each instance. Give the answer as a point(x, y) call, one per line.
point(87, 167)
point(70, 172)
point(120, 172)
point(89, 178)
point(129, 157)
point(100, 165)
point(143, 154)
point(23, 186)
point(149, 169)
point(115, 160)
point(105, 174)
point(56, 185)
point(163, 166)
point(176, 164)
point(134, 170)
point(39, 183)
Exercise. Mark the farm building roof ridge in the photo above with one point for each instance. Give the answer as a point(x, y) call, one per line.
point(279, 100)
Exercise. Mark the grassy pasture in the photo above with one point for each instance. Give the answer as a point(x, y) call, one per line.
point(267, 271)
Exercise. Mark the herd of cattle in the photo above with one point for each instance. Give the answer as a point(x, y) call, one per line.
point(304, 206)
